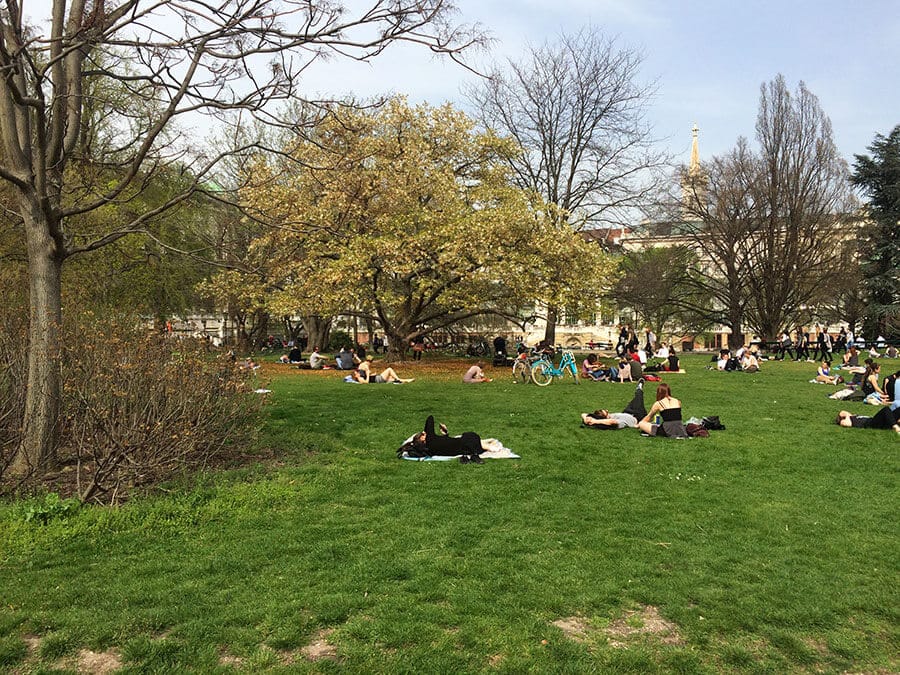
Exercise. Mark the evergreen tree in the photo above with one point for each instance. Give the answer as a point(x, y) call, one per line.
point(878, 176)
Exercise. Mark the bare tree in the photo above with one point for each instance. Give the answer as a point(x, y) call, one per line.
point(718, 223)
point(801, 192)
point(88, 114)
point(577, 109)
point(768, 224)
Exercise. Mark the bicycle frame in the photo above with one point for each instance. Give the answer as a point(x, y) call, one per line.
point(546, 367)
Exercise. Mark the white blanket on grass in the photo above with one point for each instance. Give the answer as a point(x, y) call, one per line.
point(494, 450)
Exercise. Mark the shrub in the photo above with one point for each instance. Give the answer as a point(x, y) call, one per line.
point(140, 407)
point(50, 508)
point(338, 339)
point(137, 407)
point(13, 323)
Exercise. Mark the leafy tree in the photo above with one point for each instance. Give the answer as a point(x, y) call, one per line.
point(409, 216)
point(654, 283)
point(878, 175)
point(577, 109)
point(89, 110)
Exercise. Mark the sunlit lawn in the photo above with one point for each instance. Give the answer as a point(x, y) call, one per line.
point(768, 547)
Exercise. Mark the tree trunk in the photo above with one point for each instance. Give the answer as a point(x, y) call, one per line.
point(550, 328)
point(318, 331)
point(736, 338)
point(40, 426)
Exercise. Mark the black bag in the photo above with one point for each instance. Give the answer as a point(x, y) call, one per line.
point(712, 423)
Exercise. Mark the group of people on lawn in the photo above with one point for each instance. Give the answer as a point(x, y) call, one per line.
point(665, 415)
point(630, 367)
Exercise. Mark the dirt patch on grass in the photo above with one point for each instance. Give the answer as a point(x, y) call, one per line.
point(643, 622)
point(320, 649)
point(230, 660)
point(575, 628)
point(98, 663)
point(33, 643)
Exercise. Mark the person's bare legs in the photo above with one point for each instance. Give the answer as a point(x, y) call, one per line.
point(390, 375)
point(646, 427)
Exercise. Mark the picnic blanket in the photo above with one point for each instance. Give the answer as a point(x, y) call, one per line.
point(496, 451)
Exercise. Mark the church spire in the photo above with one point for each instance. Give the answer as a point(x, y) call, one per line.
point(693, 183)
point(695, 152)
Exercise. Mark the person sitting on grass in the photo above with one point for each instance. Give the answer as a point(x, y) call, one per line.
point(345, 360)
point(625, 370)
point(873, 392)
point(883, 419)
point(749, 363)
point(823, 374)
point(475, 374)
point(603, 419)
point(590, 368)
point(674, 364)
point(316, 360)
point(669, 409)
point(364, 374)
point(892, 390)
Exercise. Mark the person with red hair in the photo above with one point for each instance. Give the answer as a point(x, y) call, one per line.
point(669, 409)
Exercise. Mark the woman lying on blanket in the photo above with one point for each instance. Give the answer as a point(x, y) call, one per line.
point(429, 443)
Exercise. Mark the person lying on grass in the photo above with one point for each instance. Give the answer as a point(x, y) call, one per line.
point(883, 419)
point(603, 419)
point(430, 443)
point(364, 374)
point(669, 409)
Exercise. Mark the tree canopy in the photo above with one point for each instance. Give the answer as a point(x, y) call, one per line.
point(408, 215)
point(878, 175)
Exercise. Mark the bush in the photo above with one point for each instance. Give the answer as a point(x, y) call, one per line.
point(141, 407)
point(338, 339)
point(137, 407)
point(50, 508)
point(14, 320)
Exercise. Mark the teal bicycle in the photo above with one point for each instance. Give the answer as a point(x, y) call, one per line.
point(543, 372)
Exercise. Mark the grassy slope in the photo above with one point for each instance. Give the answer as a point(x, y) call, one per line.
point(771, 546)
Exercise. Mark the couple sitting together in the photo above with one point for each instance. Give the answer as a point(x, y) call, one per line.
point(636, 416)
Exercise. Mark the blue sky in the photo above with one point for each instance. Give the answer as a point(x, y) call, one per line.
point(707, 58)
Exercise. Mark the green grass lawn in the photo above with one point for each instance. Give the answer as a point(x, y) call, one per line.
point(768, 547)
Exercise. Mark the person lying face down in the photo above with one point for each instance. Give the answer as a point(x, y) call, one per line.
point(634, 411)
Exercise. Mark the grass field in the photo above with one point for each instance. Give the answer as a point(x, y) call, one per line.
point(768, 547)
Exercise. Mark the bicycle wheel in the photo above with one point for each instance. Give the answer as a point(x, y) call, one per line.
point(573, 372)
point(541, 374)
point(520, 372)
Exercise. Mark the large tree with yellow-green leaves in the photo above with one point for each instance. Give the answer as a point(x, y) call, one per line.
point(406, 215)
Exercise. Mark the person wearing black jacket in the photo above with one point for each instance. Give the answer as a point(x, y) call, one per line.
point(468, 443)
